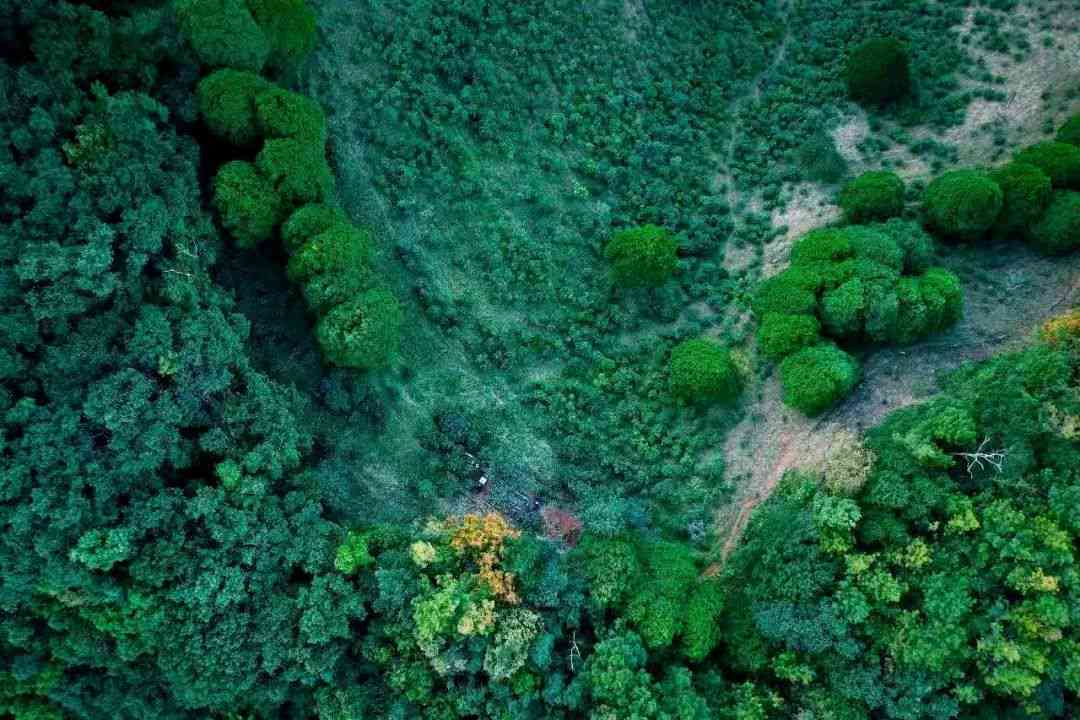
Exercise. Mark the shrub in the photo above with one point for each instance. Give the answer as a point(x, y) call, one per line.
point(871, 246)
point(307, 222)
point(363, 332)
point(843, 310)
point(702, 369)
point(339, 247)
point(333, 266)
point(782, 294)
point(642, 256)
point(820, 161)
point(289, 27)
point(227, 104)
point(285, 114)
point(330, 289)
point(248, 205)
point(1070, 131)
point(821, 245)
point(1061, 161)
point(816, 377)
point(914, 242)
point(1059, 229)
point(223, 33)
point(779, 335)
point(878, 72)
point(873, 196)
point(297, 170)
point(927, 304)
point(962, 203)
point(943, 296)
point(1025, 191)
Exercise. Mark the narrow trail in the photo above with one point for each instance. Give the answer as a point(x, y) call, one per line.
point(761, 493)
point(1010, 291)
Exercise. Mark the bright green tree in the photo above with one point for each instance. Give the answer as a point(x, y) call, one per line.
point(362, 332)
point(1026, 192)
point(250, 209)
point(223, 33)
point(227, 104)
point(814, 378)
point(962, 203)
point(702, 370)
point(642, 256)
point(1059, 160)
point(872, 196)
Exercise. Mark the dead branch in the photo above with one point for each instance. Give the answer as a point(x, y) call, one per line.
point(980, 458)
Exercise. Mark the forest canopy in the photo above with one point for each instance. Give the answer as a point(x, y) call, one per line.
point(453, 440)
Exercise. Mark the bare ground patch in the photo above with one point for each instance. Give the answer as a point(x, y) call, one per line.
point(1010, 291)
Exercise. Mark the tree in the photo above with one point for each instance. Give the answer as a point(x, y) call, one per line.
point(779, 334)
point(872, 196)
point(962, 203)
point(702, 370)
point(284, 114)
point(307, 222)
point(1059, 229)
point(816, 377)
point(297, 170)
point(917, 246)
point(227, 104)
point(1069, 132)
point(249, 206)
point(223, 33)
point(1025, 191)
point(783, 294)
point(362, 332)
point(642, 256)
point(1060, 161)
point(878, 71)
point(289, 28)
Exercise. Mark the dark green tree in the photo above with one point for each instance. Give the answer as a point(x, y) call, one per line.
point(878, 71)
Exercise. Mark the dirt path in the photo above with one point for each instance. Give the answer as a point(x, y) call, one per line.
point(1010, 292)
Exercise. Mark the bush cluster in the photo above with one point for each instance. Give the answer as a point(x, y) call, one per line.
point(1033, 196)
point(290, 180)
point(878, 71)
point(872, 196)
point(702, 370)
point(855, 284)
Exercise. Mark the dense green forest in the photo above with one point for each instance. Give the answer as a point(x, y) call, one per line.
point(368, 359)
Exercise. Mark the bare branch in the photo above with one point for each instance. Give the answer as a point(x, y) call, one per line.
point(981, 458)
point(574, 651)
